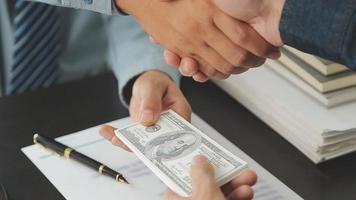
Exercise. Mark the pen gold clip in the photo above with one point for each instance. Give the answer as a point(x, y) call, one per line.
point(67, 152)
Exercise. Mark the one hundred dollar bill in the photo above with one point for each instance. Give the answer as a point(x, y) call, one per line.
point(168, 148)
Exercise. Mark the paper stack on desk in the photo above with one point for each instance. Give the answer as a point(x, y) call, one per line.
point(319, 132)
point(329, 83)
point(77, 182)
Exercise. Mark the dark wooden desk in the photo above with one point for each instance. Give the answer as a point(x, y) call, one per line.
point(78, 105)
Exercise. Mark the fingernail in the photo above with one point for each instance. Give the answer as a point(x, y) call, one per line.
point(183, 63)
point(147, 116)
point(185, 66)
point(199, 159)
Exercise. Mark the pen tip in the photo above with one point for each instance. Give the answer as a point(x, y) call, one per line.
point(121, 179)
point(124, 180)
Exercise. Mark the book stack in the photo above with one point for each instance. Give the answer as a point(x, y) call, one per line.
point(329, 83)
point(309, 101)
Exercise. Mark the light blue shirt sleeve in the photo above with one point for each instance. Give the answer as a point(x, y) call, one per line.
point(131, 53)
point(102, 6)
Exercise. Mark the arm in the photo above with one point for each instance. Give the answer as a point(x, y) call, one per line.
point(326, 28)
point(131, 54)
point(198, 29)
point(191, 28)
point(146, 84)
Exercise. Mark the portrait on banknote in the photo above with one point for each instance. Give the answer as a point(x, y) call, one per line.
point(172, 145)
point(153, 129)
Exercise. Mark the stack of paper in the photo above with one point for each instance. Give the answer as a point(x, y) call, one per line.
point(320, 133)
point(329, 83)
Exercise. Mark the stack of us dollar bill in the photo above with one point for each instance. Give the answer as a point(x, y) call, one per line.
point(168, 148)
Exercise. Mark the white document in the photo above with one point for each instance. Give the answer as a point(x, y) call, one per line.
point(295, 115)
point(325, 122)
point(76, 182)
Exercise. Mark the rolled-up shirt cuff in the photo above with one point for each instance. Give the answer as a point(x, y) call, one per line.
point(102, 6)
point(319, 27)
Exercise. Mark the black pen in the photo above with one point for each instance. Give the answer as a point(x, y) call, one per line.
point(68, 152)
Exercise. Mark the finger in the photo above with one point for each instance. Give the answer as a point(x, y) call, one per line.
point(240, 70)
point(246, 60)
point(202, 173)
point(230, 51)
point(242, 193)
point(188, 67)
point(170, 195)
point(208, 70)
point(200, 77)
point(150, 108)
point(171, 58)
point(108, 133)
point(237, 56)
point(151, 93)
point(211, 73)
point(175, 100)
point(212, 58)
point(248, 177)
point(184, 110)
point(183, 72)
point(245, 36)
point(180, 105)
point(134, 108)
point(249, 60)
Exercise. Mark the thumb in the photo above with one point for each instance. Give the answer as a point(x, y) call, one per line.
point(170, 195)
point(203, 179)
point(151, 104)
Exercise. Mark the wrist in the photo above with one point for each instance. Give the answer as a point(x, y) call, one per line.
point(267, 23)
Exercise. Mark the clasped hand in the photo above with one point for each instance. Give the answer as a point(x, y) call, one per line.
point(211, 43)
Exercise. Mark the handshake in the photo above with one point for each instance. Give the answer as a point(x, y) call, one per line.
point(211, 39)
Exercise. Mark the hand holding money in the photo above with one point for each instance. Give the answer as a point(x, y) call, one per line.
point(154, 92)
point(172, 154)
point(205, 187)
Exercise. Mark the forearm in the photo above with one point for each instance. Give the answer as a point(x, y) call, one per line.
point(131, 54)
point(326, 28)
